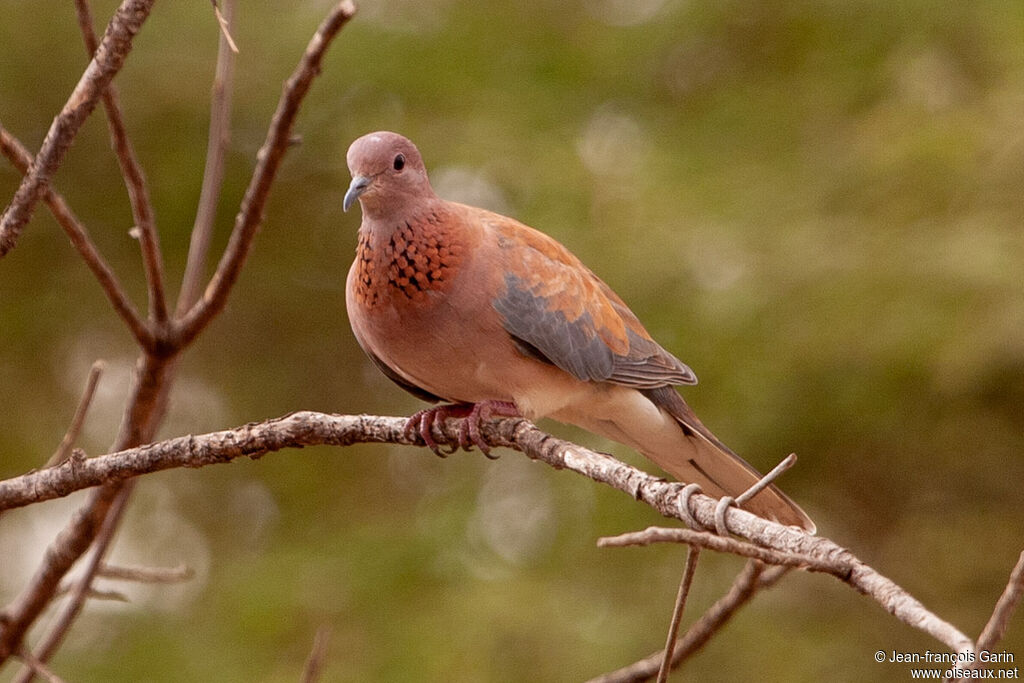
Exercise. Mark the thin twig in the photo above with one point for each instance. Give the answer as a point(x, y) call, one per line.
point(143, 413)
point(225, 23)
point(213, 172)
point(135, 574)
point(78, 420)
point(21, 159)
point(692, 555)
point(995, 629)
point(134, 179)
point(147, 403)
point(724, 544)
point(766, 480)
point(752, 579)
point(315, 661)
point(108, 60)
point(250, 215)
point(95, 594)
point(38, 667)
point(80, 592)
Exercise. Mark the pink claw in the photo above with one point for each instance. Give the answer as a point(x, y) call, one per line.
point(472, 415)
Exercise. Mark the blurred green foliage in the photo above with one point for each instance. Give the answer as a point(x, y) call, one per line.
point(817, 205)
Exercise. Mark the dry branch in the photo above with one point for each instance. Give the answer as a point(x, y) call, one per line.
point(752, 579)
point(309, 428)
point(213, 171)
point(1005, 605)
point(134, 178)
point(724, 544)
point(78, 420)
point(108, 60)
point(250, 215)
point(21, 159)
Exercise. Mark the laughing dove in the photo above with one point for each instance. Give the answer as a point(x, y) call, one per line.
point(459, 304)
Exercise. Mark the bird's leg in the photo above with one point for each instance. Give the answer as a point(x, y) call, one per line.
point(423, 421)
point(473, 414)
point(469, 430)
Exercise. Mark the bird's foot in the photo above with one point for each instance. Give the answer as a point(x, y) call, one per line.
point(422, 422)
point(469, 430)
point(472, 414)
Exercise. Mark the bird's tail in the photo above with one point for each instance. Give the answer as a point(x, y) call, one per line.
point(659, 424)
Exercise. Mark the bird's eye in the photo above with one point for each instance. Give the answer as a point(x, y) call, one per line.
point(399, 162)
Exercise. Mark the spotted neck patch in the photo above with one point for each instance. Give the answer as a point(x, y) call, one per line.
point(418, 257)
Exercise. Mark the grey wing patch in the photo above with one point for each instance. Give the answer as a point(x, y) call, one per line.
point(418, 392)
point(573, 346)
point(649, 366)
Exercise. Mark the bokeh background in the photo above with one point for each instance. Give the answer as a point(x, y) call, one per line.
point(816, 205)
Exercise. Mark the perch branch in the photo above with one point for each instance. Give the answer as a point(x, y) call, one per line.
point(269, 159)
point(21, 159)
point(134, 179)
point(108, 60)
point(308, 428)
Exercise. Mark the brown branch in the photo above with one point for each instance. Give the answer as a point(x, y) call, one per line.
point(752, 579)
point(135, 180)
point(142, 414)
point(677, 612)
point(213, 172)
point(70, 544)
point(250, 215)
point(309, 428)
point(315, 661)
point(1005, 605)
point(21, 159)
point(82, 589)
point(71, 435)
point(109, 59)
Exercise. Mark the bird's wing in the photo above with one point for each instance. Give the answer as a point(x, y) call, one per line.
point(559, 311)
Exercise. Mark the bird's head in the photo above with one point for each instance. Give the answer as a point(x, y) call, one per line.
point(387, 173)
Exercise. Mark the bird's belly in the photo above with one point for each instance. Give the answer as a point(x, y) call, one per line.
point(440, 349)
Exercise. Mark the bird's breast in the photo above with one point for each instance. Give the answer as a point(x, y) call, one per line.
point(407, 265)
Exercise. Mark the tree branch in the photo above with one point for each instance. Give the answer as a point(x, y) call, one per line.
point(724, 544)
point(309, 428)
point(82, 587)
point(78, 420)
point(250, 215)
point(21, 159)
point(1005, 605)
point(134, 179)
point(108, 60)
point(213, 171)
point(752, 579)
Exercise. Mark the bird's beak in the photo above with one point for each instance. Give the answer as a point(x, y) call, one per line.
point(359, 185)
